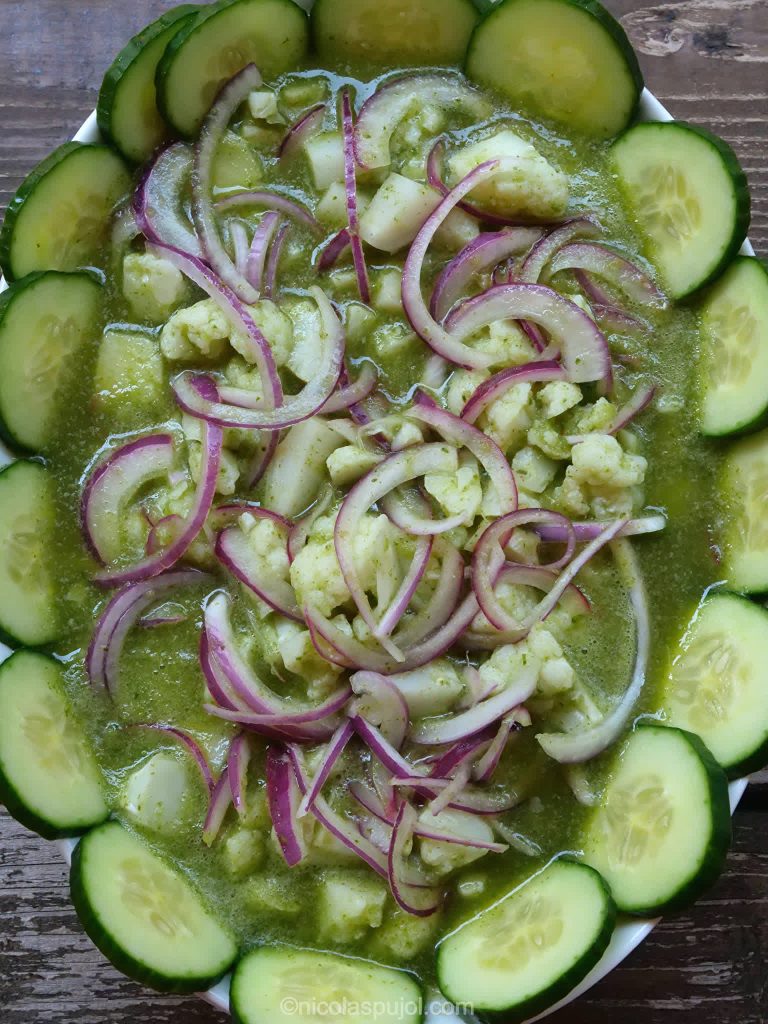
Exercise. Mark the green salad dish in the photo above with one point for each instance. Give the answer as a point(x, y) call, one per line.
point(383, 553)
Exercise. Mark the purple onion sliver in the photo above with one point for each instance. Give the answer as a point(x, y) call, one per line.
point(270, 201)
point(273, 261)
point(220, 802)
point(237, 767)
point(283, 796)
point(257, 255)
point(333, 752)
point(307, 125)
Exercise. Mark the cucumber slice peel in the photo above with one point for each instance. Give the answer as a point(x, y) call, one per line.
point(717, 683)
point(690, 198)
point(45, 320)
point(568, 60)
point(49, 780)
point(220, 41)
point(127, 109)
point(533, 947)
point(281, 985)
point(745, 536)
point(735, 357)
point(393, 32)
point(28, 605)
point(144, 916)
point(59, 218)
point(661, 832)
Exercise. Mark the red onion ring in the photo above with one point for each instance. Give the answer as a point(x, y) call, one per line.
point(332, 251)
point(257, 255)
point(351, 394)
point(350, 187)
point(498, 385)
point(591, 258)
point(396, 610)
point(300, 131)
point(191, 745)
point(380, 703)
point(273, 263)
point(158, 201)
point(234, 551)
point(283, 798)
point(220, 802)
point(238, 760)
point(417, 900)
point(540, 255)
point(334, 750)
point(271, 201)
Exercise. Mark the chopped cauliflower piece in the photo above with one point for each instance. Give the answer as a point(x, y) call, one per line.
point(461, 387)
point(300, 657)
point(534, 471)
point(457, 230)
point(532, 186)
point(316, 576)
point(243, 852)
point(545, 436)
point(198, 330)
point(276, 328)
point(262, 106)
point(152, 286)
point(155, 793)
point(267, 542)
point(600, 460)
point(387, 291)
point(325, 153)
point(349, 905)
point(404, 936)
point(229, 469)
point(507, 419)
point(596, 418)
point(307, 338)
point(557, 397)
point(430, 690)
point(445, 857)
point(350, 462)
point(459, 493)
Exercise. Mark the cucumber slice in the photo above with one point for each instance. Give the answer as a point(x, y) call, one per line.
point(49, 779)
point(45, 320)
point(127, 108)
point(717, 685)
point(295, 986)
point(690, 199)
point(735, 357)
point(144, 916)
point(745, 536)
point(662, 830)
point(60, 217)
point(532, 948)
point(568, 60)
point(393, 31)
point(219, 42)
point(28, 614)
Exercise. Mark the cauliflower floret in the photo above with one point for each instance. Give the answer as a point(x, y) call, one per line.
point(544, 436)
point(444, 857)
point(349, 905)
point(532, 186)
point(300, 657)
point(316, 576)
point(539, 650)
point(523, 546)
point(595, 418)
point(229, 469)
point(276, 328)
point(387, 291)
point(459, 493)
point(152, 286)
point(267, 543)
point(600, 460)
point(348, 463)
point(534, 471)
point(461, 387)
point(508, 418)
point(198, 330)
point(557, 397)
point(404, 936)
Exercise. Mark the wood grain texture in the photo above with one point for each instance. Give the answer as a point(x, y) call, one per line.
point(708, 61)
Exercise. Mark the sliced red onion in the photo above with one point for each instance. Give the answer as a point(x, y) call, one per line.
point(371, 802)
point(340, 827)
point(118, 618)
point(518, 842)
point(430, 826)
point(233, 549)
point(262, 458)
point(158, 202)
point(239, 237)
point(380, 703)
point(452, 790)
point(575, 748)
point(220, 802)
point(162, 532)
point(283, 798)
point(219, 687)
point(590, 530)
point(473, 801)
point(112, 485)
point(301, 530)
point(283, 719)
point(411, 512)
point(394, 100)
point(480, 255)
point(215, 124)
point(584, 350)
point(463, 751)
point(540, 255)
point(350, 187)
point(259, 351)
point(301, 130)
point(612, 319)
point(271, 201)
point(297, 408)
point(607, 264)
point(389, 756)
point(257, 255)
point(331, 253)
point(410, 583)
point(489, 762)
point(333, 752)
point(351, 394)
point(451, 728)
point(397, 469)
point(498, 385)
point(157, 621)
point(640, 401)
point(594, 292)
point(237, 767)
point(192, 746)
point(443, 600)
point(376, 831)
point(153, 565)
point(273, 263)
point(436, 372)
point(486, 451)
point(422, 900)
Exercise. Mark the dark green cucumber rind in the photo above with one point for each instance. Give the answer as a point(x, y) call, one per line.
point(606, 20)
point(125, 60)
point(25, 189)
point(112, 950)
point(740, 189)
point(713, 862)
point(563, 985)
point(13, 801)
point(6, 298)
point(6, 637)
point(189, 28)
point(747, 426)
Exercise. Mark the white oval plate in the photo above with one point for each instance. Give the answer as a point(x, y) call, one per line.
point(629, 932)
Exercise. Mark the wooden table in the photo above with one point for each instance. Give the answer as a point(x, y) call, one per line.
point(708, 61)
